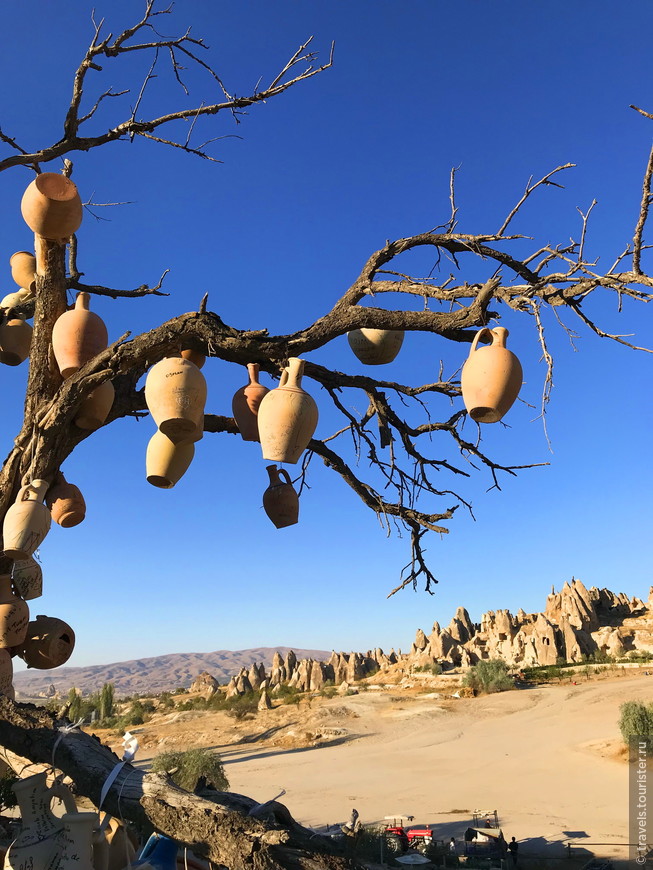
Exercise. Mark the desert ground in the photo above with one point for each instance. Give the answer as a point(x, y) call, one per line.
point(548, 758)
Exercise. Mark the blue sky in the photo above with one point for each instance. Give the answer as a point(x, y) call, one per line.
point(321, 177)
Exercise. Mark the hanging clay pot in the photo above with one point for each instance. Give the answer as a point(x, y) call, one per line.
point(280, 500)
point(245, 404)
point(27, 521)
point(95, 408)
point(15, 340)
point(66, 503)
point(77, 336)
point(38, 845)
point(15, 300)
point(27, 578)
point(23, 269)
point(167, 462)
point(175, 392)
point(77, 841)
point(287, 417)
point(376, 347)
point(49, 643)
point(51, 206)
point(491, 377)
point(14, 615)
point(6, 674)
point(195, 356)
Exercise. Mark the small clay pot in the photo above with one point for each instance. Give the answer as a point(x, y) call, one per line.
point(195, 356)
point(491, 377)
point(95, 408)
point(167, 462)
point(280, 501)
point(51, 206)
point(15, 341)
point(245, 404)
point(77, 336)
point(14, 615)
point(49, 643)
point(287, 418)
point(175, 392)
point(27, 578)
point(66, 503)
point(23, 269)
point(15, 300)
point(376, 347)
point(27, 522)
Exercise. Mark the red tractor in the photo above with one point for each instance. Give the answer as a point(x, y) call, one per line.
point(399, 839)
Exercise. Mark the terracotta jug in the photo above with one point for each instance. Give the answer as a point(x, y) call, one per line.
point(66, 503)
point(77, 336)
point(77, 841)
point(245, 404)
point(14, 615)
point(15, 340)
point(23, 269)
point(376, 347)
point(14, 300)
point(94, 410)
point(6, 674)
point(280, 500)
point(51, 206)
point(38, 845)
point(27, 578)
point(49, 643)
point(27, 521)
point(491, 377)
point(195, 356)
point(112, 848)
point(167, 462)
point(287, 417)
point(175, 392)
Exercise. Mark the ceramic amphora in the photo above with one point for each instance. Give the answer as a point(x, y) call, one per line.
point(14, 300)
point(167, 462)
point(376, 347)
point(51, 206)
point(39, 843)
point(49, 643)
point(15, 340)
point(23, 269)
point(287, 417)
point(195, 356)
point(245, 404)
point(94, 410)
point(6, 674)
point(77, 841)
point(112, 848)
point(66, 503)
point(27, 521)
point(14, 615)
point(27, 578)
point(491, 377)
point(175, 392)
point(77, 336)
point(280, 501)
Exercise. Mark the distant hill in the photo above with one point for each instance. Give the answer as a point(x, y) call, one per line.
point(156, 674)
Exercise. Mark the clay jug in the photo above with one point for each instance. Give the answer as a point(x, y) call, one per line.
point(376, 347)
point(66, 503)
point(94, 410)
point(287, 417)
point(23, 269)
point(51, 206)
point(280, 500)
point(14, 615)
point(195, 356)
point(175, 392)
point(491, 377)
point(15, 340)
point(112, 849)
point(245, 404)
point(6, 674)
point(27, 578)
point(27, 521)
point(77, 841)
point(14, 300)
point(77, 336)
point(49, 643)
point(167, 462)
point(38, 845)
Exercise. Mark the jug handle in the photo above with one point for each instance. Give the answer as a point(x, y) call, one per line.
point(61, 791)
point(282, 471)
point(481, 334)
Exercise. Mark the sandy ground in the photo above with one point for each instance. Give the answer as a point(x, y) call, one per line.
point(547, 758)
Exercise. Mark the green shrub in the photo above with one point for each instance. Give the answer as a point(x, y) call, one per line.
point(241, 706)
point(288, 694)
point(186, 768)
point(489, 676)
point(434, 668)
point(165, 701)
point(636, 720)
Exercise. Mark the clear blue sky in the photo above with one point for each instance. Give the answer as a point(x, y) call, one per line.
point(322, 176)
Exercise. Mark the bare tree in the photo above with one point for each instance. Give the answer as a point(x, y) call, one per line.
point(403, 455)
